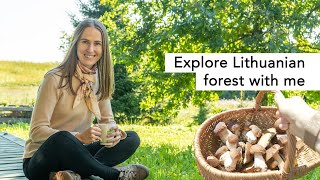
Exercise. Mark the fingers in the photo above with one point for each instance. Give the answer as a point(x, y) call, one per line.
point(114, 141)
point(284, 126)
point(95, 138)
point(116, 133)
point(95, 131)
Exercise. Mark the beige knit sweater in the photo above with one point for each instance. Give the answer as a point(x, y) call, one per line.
point(53, 112)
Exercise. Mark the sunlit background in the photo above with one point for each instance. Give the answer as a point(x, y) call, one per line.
point(31, 30)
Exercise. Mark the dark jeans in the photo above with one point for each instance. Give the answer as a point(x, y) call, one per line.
point(63, 151)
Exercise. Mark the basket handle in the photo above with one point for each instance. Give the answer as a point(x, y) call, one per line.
point(291, 147)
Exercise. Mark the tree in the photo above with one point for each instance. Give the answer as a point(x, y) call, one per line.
point(141, 32)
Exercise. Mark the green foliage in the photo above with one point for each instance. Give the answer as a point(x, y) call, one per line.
point(202, 114)
point(125, 102)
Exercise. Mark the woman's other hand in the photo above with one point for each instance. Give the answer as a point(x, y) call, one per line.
point(90, 135)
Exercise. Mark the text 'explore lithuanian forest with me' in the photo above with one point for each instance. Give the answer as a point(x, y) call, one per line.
point(248, 71)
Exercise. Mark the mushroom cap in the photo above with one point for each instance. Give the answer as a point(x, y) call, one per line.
point(221, 151)
point(246, 125)
point(282, 139)
point(220, 127)
point(257, 149)
point(235, 127)
point(272, 130)
point(272, 151)
point(235, 154)
point(213, 161)
point(256, 130)
point(233, 139)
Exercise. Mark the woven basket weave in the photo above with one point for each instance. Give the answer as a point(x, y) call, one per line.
point(206, 143)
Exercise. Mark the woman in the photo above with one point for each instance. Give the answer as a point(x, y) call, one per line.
point(62, 142)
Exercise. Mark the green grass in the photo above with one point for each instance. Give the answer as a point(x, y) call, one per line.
point(19, 81)
point(166, 150)
point(17, 74)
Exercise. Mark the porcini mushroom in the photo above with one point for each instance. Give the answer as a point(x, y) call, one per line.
point(259, 163)
point(245, 129)
point(232, 141)
point(213, 161)
point(253, 134)
point(282, 140)
point(236, 129)
point(272, 164)
point(230, 159)
point(242, 145)
point(222, 131)
point(266, 137)
point(273, 151)
point(247, 154)
point(221, 151)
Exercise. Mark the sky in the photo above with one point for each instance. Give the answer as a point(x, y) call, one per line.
point(30, 30)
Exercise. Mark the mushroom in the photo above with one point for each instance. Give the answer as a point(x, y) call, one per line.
point(272, 164)
point(236, 129)
point(232, 141)
point(266, 137)
point(259, 163)
point(222, 131)
point(242, 145)
point(221, 151)
point(247, 154)
point(249, 168)
point(274, 152)
point(213, 161)
point(253, 134)
point(282, 140)
point(245, 129)
point(276, 125)
point(230, 159)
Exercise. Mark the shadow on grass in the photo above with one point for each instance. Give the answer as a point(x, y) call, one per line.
point(167, 162)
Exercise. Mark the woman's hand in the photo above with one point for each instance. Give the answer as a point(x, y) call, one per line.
point(116, 134)
point(90, 135)
point(294, 114)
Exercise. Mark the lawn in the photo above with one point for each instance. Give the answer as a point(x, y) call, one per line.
point(166, 150)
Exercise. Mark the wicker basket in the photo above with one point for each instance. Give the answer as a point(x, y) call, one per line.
point(206, 143)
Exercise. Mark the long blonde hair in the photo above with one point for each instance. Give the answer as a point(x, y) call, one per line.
point(104, 65)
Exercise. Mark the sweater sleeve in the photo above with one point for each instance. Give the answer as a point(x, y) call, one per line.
point(106, 111)
point(47, 98)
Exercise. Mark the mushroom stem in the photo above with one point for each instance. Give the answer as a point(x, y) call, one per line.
point(259, 163)
point(273, 164)
point(279, 160)
point(230, 159)
point(247, 154)
point(266, 137)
